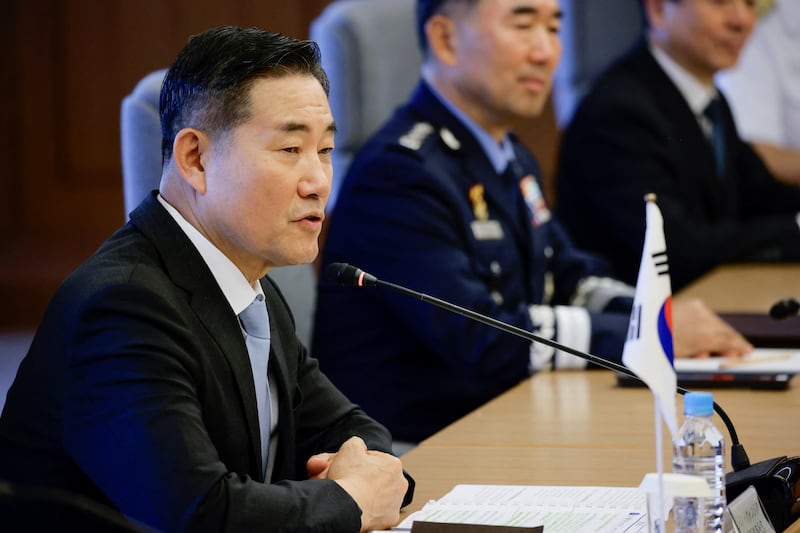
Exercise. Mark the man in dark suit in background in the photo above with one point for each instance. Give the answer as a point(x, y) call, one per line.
point(142, 390)
point(655, 123)
point(446, 200)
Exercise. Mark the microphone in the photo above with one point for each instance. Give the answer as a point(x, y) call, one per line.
point(784, 309)
point(349, 276)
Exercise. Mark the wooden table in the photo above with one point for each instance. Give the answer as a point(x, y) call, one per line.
point(743, 294)
point(746, 288)
point(579, 428)
point(585, 409)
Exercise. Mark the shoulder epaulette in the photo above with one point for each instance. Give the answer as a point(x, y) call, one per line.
point(417, 135)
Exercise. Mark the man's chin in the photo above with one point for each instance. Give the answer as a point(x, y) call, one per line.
point(304, 257)
point(531, 109)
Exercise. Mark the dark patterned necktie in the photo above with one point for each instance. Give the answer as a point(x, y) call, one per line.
point(519, 209)
point(713, 112)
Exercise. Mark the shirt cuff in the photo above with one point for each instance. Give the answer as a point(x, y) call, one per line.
point(574, 329)
point(570, 326)
point(544, 325)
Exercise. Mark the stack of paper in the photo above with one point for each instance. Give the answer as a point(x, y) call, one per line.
point(567, 509)
point(760, 360)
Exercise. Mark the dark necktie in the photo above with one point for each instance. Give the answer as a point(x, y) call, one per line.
point(511, 177)
point(713, 112)
point(255, 322)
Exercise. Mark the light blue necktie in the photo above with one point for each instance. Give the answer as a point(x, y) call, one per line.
point(255, 322)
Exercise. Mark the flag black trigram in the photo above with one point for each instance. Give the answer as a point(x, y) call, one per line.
point(635, 324)
point(660, 262)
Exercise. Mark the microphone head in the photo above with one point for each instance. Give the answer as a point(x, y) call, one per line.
point(349, 276)
point(784, 309)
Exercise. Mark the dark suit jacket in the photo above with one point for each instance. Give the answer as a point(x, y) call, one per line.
point(405, 215)
point(633, 134)
point(137, 391)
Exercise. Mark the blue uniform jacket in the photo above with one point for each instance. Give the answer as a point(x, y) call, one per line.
point(407, 213)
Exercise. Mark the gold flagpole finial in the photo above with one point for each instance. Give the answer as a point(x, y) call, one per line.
point(650, 197)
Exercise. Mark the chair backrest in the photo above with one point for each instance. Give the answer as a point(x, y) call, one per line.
point(140, 129)
point(594, 34)
point(372, 57)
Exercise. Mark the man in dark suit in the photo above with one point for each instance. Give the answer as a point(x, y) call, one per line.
point(142, 389)
point(655, 123)
point(444, 199)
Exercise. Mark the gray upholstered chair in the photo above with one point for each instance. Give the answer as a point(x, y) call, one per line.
point(594, 34)
point(141, 140)
point(371, 54)
point(140, 131)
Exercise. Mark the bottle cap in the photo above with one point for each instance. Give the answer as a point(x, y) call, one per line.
point(698, 403)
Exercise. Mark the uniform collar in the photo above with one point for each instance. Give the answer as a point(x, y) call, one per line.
point(500, 155)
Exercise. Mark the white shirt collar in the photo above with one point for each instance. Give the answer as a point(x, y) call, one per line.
point(696, 94)
point(230, 279)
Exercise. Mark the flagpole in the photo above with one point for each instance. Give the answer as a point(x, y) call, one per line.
point(661, 524)
point(648, 350)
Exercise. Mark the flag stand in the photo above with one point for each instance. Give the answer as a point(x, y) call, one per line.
point(648, 353)
point(670, 485)
point(661, 522)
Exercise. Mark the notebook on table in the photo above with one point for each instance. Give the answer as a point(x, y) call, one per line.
point(764, 368)
point(765, 332)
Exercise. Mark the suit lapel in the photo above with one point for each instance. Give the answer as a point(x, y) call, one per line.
point(686, 135)
point(184, 264)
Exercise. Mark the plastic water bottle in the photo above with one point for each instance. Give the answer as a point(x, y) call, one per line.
point(700, 451)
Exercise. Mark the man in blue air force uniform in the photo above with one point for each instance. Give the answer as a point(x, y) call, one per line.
point(446, 201)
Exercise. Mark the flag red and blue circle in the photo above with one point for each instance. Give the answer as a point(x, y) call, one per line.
point(665, 328)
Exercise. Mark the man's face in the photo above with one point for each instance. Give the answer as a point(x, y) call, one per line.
point(704, 36)
point(505, 55)
point(267, 180)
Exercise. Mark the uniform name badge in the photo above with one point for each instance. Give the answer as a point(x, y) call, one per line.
point(487, 230)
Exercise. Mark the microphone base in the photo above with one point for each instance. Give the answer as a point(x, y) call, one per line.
point(777, 482)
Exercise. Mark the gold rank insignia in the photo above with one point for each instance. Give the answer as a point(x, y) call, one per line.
point(478, 203)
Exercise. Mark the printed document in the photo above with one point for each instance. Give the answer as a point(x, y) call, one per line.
point(558, 509)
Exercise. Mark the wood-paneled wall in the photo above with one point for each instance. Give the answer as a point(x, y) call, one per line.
point(67, 66)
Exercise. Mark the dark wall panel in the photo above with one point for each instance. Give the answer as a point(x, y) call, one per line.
point(68, 65)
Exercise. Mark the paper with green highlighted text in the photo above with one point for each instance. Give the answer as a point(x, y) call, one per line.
point(558, 509)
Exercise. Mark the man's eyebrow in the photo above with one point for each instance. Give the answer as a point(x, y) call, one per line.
point(299, 126)
point(533, 10)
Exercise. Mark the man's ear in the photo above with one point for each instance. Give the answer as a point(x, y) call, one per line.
point(442, 39)
point(187, 155)
point(654, 11)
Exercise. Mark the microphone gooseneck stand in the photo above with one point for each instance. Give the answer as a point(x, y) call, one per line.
point(348, 275)
point(775, 479)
